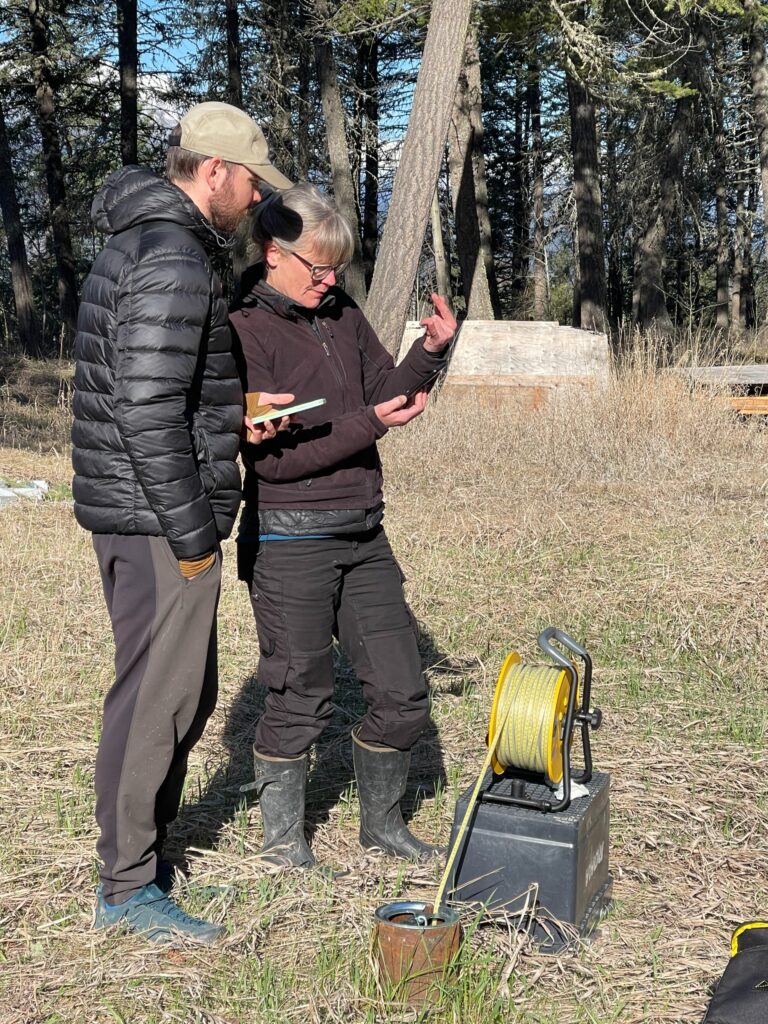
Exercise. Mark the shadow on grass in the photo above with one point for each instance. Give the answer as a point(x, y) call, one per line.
point(202, 817)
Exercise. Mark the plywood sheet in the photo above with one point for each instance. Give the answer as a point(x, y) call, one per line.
point(488, 351)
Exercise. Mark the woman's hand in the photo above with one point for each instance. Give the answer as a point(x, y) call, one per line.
point(440, 327)
point(401, 410)
point(255, 433)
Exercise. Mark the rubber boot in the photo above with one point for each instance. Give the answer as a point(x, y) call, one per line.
point(280, 785)
point(382, 774)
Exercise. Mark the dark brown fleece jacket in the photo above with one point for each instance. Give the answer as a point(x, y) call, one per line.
point(329, 460)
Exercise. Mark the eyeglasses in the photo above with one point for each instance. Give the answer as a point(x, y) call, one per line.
point(319, 272)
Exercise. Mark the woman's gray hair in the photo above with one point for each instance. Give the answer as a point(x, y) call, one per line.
point(303, 216)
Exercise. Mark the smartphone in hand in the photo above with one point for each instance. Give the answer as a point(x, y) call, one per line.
point(424, 382)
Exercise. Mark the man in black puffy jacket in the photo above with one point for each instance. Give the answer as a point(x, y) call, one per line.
point(158, 414)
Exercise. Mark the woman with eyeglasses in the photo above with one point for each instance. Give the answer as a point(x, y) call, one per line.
point(312, 547)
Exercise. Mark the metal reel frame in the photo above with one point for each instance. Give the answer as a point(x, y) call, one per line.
point(575, 715)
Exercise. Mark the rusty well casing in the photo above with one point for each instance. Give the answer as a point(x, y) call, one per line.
point(413, 949)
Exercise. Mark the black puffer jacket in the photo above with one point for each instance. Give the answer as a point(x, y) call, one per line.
point(158, 399)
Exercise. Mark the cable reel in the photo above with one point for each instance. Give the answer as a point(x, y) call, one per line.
point(535, 711)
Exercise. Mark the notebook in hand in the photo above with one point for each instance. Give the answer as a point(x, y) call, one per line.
point(261, 413)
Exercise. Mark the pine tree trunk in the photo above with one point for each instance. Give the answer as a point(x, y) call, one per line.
point(520, 212)
point(537, 171)
point(54, 172)
point(759, 69)
point(442, 266)
point(26, 317)
point(748, 304)
point(589, 207)
point(338, 151)
point(303, 155)
point(614, 238)
point(576, 300)
point(280, 30)
point(473, 70)
point(652, 306)
point(720, 160)
point(234, 61)
point(462, 140)
point(370, 56)
point(739, 244)
point(128, 56)
point(417, 172)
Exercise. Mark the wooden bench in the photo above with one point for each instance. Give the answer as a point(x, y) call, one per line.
point(749, 376)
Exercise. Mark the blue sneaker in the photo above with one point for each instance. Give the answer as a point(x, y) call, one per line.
point(155, 916)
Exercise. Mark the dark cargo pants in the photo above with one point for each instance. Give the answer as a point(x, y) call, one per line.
point(165, 689)
point(305, 592)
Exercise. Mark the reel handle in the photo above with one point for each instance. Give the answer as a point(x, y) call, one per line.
point(553, 633)
point(583, 715)
point(545, 643)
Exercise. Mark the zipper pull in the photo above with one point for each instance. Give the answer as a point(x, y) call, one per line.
point(327, 350)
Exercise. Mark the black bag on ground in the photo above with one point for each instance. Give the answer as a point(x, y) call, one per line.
point(741, 996)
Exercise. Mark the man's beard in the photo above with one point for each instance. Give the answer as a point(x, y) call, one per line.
point(225, 216)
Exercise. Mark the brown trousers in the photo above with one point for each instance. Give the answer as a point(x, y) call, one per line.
point(165, 689)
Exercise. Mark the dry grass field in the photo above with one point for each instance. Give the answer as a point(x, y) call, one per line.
point(634, 517)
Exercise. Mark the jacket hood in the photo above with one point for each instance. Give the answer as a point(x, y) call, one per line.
point(134, 196)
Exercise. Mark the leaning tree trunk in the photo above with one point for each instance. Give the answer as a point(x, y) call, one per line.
point(54, 172)
point(465, 144)
point(589, 206)
point(26, 317)
point(417, 172)
point(338, 150)
point(128, 56)
point(234, 56)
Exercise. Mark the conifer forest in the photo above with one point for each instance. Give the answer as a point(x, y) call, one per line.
point(604, 163)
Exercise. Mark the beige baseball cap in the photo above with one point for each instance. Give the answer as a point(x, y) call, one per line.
point(219, 129)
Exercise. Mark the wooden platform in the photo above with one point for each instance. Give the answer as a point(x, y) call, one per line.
point(520, 361)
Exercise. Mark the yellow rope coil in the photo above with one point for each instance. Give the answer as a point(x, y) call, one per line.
point(528, 712)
